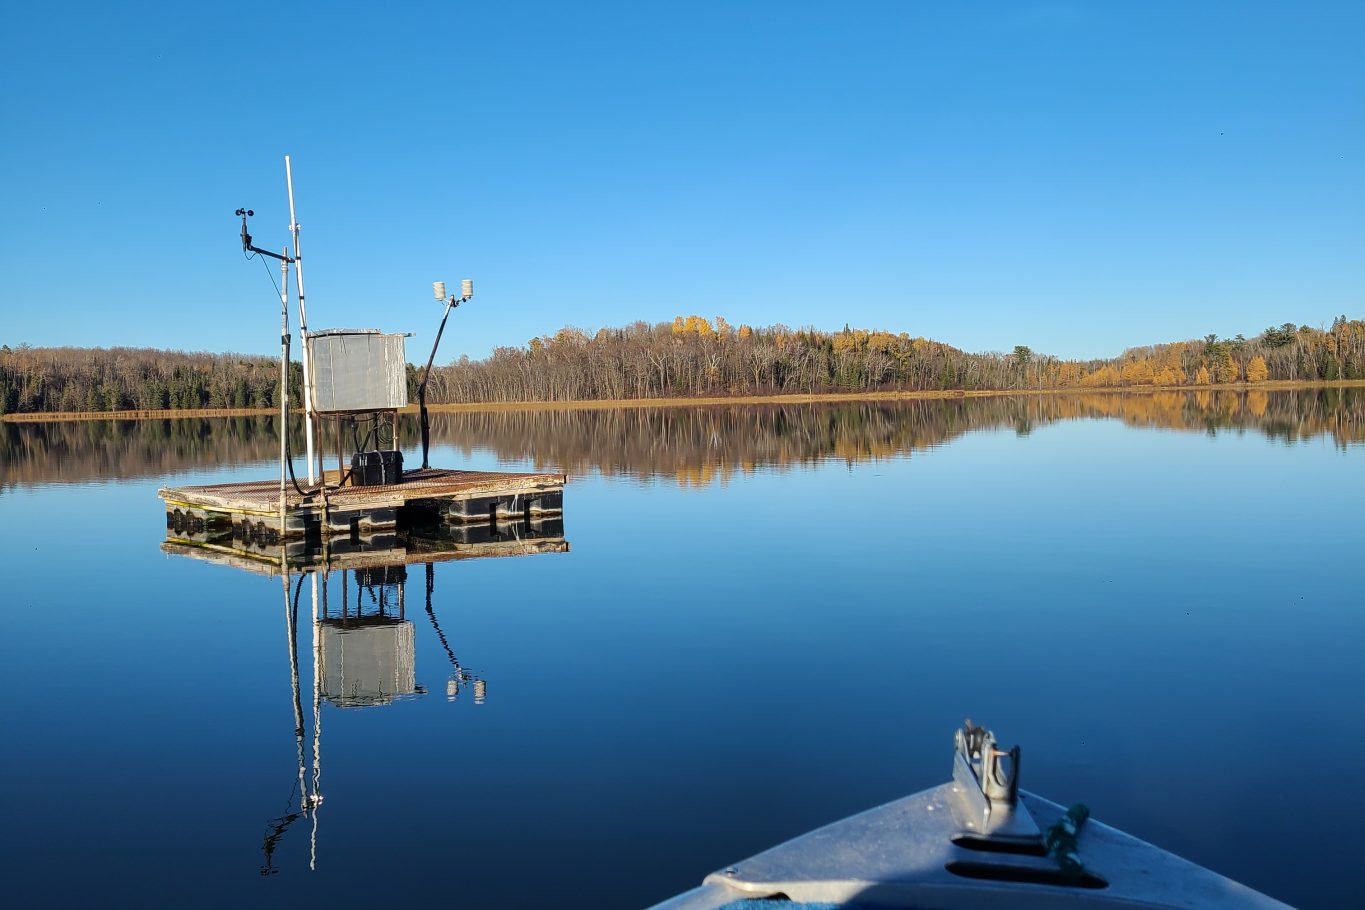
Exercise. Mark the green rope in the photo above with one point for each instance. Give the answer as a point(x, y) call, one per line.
point(1060, 839)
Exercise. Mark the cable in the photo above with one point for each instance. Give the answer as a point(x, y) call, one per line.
point(273, 282)
point(288, 455)
point(248, 253)
point(289, 460)
point(288, 451)
point(371, 436)
point(380, 440)
point(297, 588)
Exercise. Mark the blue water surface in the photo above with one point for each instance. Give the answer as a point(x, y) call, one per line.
point(1169, 620)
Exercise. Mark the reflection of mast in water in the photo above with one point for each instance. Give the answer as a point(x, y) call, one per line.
point(363, 656)
point(307, 802)
point(459, 675)
point(364, 650)
point(317, 722)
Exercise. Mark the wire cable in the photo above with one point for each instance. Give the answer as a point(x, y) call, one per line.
point(275, 284)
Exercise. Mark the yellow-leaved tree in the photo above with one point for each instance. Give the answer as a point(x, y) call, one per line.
point(1138, 372)
point(1257, 371)
point(1225, 368)
point(1104, 376)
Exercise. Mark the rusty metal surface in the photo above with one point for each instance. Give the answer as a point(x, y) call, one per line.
point(264, 495)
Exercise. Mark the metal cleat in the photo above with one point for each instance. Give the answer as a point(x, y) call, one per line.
point(989, 788)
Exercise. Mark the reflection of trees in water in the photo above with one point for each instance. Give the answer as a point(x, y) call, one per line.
point(694, 444)
point(1291, 416)
point(699, 445)
point(81, 451)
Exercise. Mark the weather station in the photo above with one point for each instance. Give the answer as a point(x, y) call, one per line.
point(354, 394)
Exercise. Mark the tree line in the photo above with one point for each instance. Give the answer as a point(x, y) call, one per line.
point(697, 357)
point(689, 357)
point(119, 379)
point(694, 446)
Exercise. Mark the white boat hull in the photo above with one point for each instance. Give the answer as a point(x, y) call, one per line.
point(915, 853)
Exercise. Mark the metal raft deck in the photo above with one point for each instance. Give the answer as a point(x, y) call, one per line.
point(251, 510)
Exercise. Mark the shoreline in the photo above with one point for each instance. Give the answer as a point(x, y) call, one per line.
point(639, 403)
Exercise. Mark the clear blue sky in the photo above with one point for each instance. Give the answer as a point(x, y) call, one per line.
point(1075, 176)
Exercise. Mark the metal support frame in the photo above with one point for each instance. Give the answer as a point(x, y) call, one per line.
point(451, 304)
point(314, 456)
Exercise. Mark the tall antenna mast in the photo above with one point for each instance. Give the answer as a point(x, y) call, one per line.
point(303, 327)
point(284, 393)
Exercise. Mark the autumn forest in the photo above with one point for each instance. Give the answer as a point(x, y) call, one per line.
point(691, 357)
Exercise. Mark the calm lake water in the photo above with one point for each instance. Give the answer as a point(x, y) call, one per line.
point(766, 619)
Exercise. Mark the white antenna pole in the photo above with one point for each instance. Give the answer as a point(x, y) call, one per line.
point(303, 326)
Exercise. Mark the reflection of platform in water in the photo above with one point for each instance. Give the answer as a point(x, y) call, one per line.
point(367, 645)
point(364, 645)
point(253, 508)
point(431, 543)
point(368, 664)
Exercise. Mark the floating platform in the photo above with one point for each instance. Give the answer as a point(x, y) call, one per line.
point(250, 510)
point(386, 549)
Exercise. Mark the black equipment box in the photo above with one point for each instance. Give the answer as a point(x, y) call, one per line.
point(378, 576)
point(374, 469)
